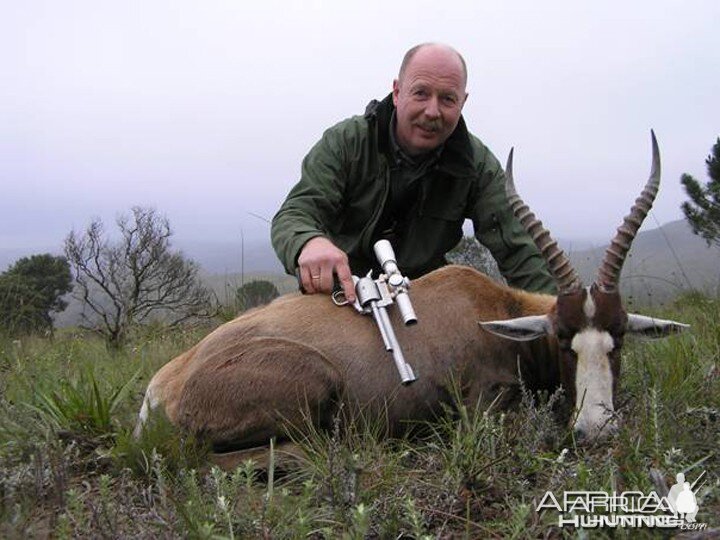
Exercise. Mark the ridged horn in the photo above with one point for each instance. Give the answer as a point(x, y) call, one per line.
point(609, 272)
point(558, 263)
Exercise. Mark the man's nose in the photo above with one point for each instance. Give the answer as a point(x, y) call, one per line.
point(431, 109)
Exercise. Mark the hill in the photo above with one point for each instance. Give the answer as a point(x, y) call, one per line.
point(661, 263)
point(233, 257)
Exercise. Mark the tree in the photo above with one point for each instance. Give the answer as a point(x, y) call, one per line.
point(136, 279)
point(31, 290)
point(256, 293)
point(469, 252)
point(703, 209)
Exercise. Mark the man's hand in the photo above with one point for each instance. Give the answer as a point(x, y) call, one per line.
point(318, 260)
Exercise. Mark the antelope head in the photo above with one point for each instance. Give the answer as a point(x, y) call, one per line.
point(588, 322)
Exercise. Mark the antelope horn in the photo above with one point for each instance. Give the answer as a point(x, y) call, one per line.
point(609, 272)
point(558, 263)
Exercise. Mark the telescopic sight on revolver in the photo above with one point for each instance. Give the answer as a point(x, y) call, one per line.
point(375, 295)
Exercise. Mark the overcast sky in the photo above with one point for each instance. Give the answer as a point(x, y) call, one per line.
point(205, 109)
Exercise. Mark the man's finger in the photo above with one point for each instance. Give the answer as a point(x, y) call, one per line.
point(298, 276)
point(325, 283)
point(307, 280)
point(345, 277)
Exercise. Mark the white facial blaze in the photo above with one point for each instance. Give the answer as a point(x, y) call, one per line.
point(589, 305)
point(593, 381)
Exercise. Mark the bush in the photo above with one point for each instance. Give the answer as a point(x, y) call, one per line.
point(255, 293)
point(31, 290)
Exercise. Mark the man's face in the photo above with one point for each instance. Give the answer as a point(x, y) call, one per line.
point(429, 99)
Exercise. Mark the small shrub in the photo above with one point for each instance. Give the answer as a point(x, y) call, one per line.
point(80, 407)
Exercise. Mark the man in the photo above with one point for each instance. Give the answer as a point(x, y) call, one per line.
point(407, 170)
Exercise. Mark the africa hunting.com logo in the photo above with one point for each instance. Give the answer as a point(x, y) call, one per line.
point(628, 509)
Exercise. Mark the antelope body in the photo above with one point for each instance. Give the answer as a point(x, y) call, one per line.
point(303, 356)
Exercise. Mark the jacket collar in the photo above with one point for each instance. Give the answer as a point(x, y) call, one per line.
point(456, 158)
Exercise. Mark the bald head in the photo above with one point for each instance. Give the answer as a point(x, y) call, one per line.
point(438, 50)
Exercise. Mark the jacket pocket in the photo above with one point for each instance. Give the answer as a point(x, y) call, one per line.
point(492, 233)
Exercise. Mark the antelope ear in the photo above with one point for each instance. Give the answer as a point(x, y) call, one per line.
point(520, 329)
point(649, 327)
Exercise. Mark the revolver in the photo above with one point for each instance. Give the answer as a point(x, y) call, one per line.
point(375, 295)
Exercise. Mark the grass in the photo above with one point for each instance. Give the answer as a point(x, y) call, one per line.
point(70, 468)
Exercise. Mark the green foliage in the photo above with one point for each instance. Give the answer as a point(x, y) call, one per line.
point(79, 407)
point(703, 209)
point(255, 293)
point(31, 290)
point(160, 450)
point(468, 439)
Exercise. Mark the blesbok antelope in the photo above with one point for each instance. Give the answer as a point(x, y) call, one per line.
point(302, 357)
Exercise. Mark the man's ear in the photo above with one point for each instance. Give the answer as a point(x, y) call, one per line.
point(467, 95)
point(396, 91)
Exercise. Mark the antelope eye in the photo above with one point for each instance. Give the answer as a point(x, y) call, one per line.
point(564, 337)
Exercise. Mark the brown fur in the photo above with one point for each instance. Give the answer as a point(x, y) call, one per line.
point(302, 355)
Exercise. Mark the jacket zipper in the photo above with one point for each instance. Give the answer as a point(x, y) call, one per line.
point(372, 224)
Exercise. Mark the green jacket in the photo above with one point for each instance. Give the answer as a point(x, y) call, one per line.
point(344, 187)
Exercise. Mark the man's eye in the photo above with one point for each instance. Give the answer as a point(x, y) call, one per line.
point(450, 100)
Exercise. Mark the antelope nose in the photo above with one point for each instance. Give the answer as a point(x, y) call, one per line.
point(584, 435)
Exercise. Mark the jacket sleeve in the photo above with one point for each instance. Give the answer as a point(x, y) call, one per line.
point(314, 202)
point(496, 228)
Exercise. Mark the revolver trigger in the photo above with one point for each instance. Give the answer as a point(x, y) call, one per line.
point(338, 298)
